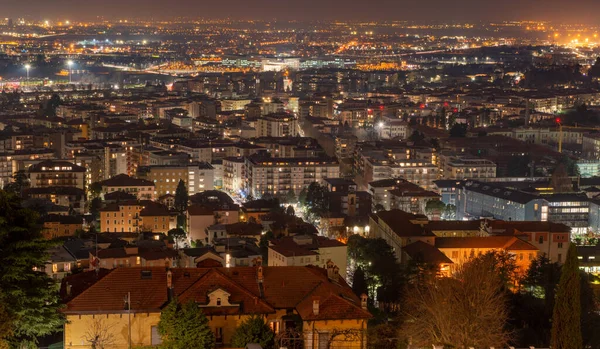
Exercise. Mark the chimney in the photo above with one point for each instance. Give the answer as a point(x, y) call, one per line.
point(336, 273)
point(363, 301)
point(169, 279)
point(316, 306)
point(259, 274)
point(68, 287)
point(330, 266)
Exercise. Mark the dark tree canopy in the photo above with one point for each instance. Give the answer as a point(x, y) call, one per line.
point(28, 294)
point(566, 318)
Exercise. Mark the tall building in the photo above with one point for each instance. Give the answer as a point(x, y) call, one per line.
point(277, 125)
point(282, 175)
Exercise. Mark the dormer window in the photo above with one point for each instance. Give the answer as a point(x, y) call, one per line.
point(218, 302)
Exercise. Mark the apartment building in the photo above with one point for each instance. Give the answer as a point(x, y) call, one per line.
point(142, 188)
point(479, 199)
point(197, 178)
point(281, 175)
point(277, 125)
point(57, 173)
point(455, 167)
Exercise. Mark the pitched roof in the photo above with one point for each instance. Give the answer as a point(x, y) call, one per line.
point(424, 252)
point(404, 224)
point(500, 242)
point(282, 288)
point(123, 180)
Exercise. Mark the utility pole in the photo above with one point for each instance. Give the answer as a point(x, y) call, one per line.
point(128, 302)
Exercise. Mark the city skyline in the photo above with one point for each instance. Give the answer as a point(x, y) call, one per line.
point(430, 10)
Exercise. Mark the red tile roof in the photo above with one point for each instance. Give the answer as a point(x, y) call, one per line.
point(282, 288)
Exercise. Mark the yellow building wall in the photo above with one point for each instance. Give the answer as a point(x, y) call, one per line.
point(358, 339)
point(79, 327)
point(160, 176)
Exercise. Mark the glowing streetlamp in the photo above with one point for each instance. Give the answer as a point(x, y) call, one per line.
point(27, 67)
point(70, 64)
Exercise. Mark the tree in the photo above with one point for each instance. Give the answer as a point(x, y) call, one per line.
point(359, 283)
point(290, 211)
point(19, 184)
point(560, 181)
point(95, 206)
point(566, 318)
point(449, 212)
point(253, 330)
point(31, 297)
point(52, 105)
point(458, 130)
point(181, 197)
point(178, 235)
point(99, 334)
point(95, 189)
point(183, 327)
point(434, 208)
point(465, 310)
point(316, 199)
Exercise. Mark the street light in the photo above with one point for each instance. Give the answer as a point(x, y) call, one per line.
point(70, 64)
point(27, 67)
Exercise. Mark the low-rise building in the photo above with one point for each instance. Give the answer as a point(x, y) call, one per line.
point(301, 250)
point(317, 298)
point(142, 188)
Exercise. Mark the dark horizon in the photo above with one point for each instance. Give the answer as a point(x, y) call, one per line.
point(573, 12)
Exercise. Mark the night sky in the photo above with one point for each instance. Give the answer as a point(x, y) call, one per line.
point(572, 11)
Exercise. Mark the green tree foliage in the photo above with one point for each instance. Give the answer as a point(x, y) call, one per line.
point(458, 130)
point(95, 189)
point(253, 330)
point(185, 327)
point(434, 206)
point(178, 235)
point(383, 274)
point(566, 317)
point(416, 137)
point(359, 282)
point(95, 206)
point(30, 296)
point(290, 211)
point(51, 105)
point(449, 212)
point(181, 197)
point(317, 202)
point(541, 279)
point(518, 165)
point(19, 184)
point(264, 246)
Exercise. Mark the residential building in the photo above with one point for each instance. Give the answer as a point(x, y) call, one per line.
point(200, 217)
point(277, 125)
point(302, 250)
point(133, 256)
point(233, 174)
point(197, 178)
point(282, 175)
point(56, 173)
point(461, 249)
point(318, 298)
point(142, 188)
point(480, 199)
point(61, 226)
point(454, 167)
